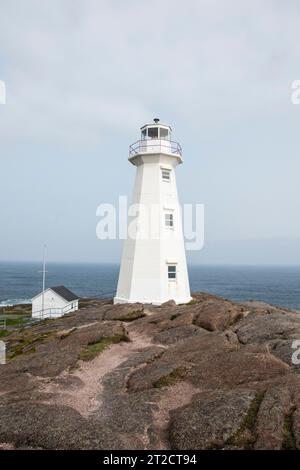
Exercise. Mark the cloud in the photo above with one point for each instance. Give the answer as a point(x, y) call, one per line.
point(77, 69)
point(81, 77)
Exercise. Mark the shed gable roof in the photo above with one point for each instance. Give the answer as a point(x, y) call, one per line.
point(62, 291)
point(65, 293)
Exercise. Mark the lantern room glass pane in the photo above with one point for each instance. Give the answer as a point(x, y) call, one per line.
point(153, 132)
point(164, 134)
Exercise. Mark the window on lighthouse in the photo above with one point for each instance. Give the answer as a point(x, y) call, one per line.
point(166, 175)
point(169, 220)
point(172, 272)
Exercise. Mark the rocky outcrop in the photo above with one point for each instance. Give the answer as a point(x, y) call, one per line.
point(212, 374)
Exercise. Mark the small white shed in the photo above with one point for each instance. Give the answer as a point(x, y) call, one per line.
point(54, 302)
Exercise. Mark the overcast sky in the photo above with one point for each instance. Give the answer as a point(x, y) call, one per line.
point(82, 76)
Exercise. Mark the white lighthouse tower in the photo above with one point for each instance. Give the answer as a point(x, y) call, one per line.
point(153, 267)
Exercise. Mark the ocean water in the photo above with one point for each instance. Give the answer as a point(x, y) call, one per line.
point(19, 282)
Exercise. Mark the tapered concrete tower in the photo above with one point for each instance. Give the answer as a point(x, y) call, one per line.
point(153, 267)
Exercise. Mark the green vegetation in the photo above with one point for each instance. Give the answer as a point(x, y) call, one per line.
point(25, 344)
point(170, 379)
point(96, 347)
point(23, 349)
point(17, 322)
point(193, 302)
point(3, 333)
point(251, 417)
point(289, 441)
point(15, 316)
point(246, 436)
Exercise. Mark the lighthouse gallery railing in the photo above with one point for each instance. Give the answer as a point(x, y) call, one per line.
point(168, 146)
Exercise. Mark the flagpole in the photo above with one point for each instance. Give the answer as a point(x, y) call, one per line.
point(44, 278)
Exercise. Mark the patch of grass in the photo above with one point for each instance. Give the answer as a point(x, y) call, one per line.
point(96, 347)
point(250, 419)
point(193, 302)
point(246, 435)
point(131, 316)
point(289, 441)
point(170, 379)
point(4, 333)
point(17, 321)
point(27, 349)
point(13, 321)
point(25, 344)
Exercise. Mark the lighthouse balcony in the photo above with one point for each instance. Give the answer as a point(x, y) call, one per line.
point(155, 146)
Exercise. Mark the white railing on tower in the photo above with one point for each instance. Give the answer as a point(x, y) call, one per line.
point(157, 146)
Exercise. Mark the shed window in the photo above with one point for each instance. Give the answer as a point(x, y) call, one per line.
point(172, 271)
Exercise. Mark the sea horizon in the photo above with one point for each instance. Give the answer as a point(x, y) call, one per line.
point(275, 284)
point(278, 265)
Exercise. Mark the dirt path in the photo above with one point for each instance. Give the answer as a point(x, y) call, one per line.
point(85, 396)
point(82, 389)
